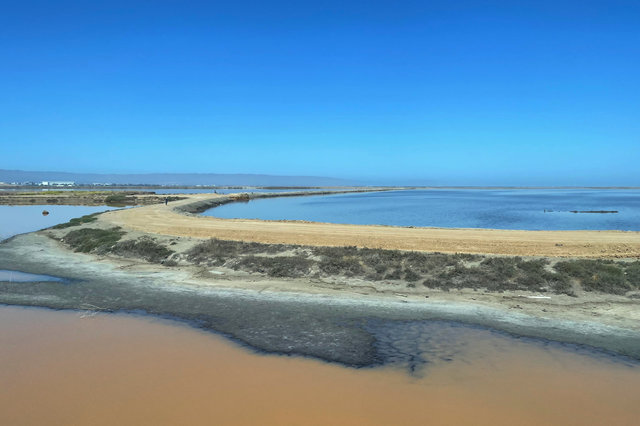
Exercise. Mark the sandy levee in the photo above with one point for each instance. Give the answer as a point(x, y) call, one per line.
point(303, 288)
point(171, 220)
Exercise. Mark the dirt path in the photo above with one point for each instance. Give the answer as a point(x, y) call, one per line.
point(165, 220)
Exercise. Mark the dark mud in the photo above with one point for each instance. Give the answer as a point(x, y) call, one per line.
point(348, 331)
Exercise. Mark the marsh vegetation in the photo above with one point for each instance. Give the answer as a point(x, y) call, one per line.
point(431, 270)
point(395, 268)
point(77, 221)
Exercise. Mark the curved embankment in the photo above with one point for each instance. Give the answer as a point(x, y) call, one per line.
point(178, 219)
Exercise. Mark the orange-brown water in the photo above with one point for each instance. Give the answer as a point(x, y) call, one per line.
point(59, 368)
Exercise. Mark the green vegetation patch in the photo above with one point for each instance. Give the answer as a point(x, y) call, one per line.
point(144, 248)
point(413, 269)
point(379, 264)
point(605, 276)
point(87, 240)
point(78, 221)
point(498, 274)
point(347, 265)
point(119, 199)
point(216, 252)
point(278, 266)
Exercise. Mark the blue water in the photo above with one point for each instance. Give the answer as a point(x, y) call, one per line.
point(20, 219)
point(455, 208)
point(24, 277)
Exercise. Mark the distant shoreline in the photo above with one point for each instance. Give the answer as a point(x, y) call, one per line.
point(181, 218)
point(84, 198)
point(288, 187)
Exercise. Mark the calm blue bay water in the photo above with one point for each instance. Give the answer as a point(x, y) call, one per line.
point(20, 219)
point(468, 208)
point(16, 220)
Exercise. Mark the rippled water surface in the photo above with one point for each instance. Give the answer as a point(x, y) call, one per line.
point(546, 209)
point(60, 368)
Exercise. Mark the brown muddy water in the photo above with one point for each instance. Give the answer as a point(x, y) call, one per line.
point(66, 368)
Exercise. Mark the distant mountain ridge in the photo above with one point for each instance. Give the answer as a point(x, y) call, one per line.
point(218, 179)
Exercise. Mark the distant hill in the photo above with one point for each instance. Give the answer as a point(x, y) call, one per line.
point(171, 179)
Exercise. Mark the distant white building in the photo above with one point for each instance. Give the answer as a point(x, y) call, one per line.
point(57, 183)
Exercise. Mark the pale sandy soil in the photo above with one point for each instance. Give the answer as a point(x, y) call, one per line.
point(167, 220)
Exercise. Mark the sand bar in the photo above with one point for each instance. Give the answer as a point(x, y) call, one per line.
point(171, 220)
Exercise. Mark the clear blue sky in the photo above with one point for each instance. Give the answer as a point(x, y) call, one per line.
point(439, 92)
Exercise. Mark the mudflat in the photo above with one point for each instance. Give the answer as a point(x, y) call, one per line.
point(171, 220)
point(338, 303)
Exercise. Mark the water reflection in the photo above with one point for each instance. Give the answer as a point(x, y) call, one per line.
point(23, 277)
point(20, 219)
point(418, 346)
point(548, 209)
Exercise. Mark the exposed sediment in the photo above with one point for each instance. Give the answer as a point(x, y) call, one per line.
point(336, 326)
point(349, 319)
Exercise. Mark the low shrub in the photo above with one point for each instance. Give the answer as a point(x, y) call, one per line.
point(558, 283)
point(91, 239)
point(438, 284)
point(410, 275)
point(279, 266)
point(348, 266)
point(217, 251)
point(532, 266)
point(170, 262)
point(77, 221)
point(439, 270)
point(504, 267)
point(599, 275)
point(396, 274)
point(117, 200)
point(632, 271)
point(143, 248)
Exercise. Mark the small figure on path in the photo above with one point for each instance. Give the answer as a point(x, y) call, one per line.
point(166, 200)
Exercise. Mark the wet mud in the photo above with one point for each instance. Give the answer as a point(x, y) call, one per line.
point(352, 332)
